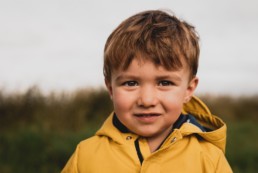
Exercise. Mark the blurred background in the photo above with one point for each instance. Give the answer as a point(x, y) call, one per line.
point(51, 85)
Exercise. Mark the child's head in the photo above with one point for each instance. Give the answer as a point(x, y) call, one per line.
point(159, 37)
point(150, 64)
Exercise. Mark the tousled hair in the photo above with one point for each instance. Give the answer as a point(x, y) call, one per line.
point(157, 36)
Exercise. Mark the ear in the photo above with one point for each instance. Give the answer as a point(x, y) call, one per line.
point(191, 88)
point(109, 88)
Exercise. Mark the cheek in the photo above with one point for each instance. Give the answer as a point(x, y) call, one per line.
point(173, 109)
point(173, 102)
point(122, 101)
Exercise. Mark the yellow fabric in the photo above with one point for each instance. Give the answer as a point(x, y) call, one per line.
point(201, 112)
point(111, 151)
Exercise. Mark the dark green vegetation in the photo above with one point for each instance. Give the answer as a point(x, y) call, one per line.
point(38, 133)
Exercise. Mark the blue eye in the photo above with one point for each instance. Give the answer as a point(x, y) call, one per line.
point(165, 83)
point(130, 83)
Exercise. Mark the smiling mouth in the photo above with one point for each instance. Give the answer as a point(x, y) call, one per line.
point(147, 115)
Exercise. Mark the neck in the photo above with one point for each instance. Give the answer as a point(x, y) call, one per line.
point(156, 141)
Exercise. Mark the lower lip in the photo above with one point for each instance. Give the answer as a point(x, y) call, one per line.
point(147, 119)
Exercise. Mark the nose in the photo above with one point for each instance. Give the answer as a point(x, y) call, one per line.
point(147, 97)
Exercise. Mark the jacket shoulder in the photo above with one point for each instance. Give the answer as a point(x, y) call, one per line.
point(85, 154)
point(213, 156)
point(91, 144)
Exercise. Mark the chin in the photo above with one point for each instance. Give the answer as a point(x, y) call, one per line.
point(146, 134)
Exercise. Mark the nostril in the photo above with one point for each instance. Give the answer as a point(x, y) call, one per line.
point(147, 101)
point(147, 96)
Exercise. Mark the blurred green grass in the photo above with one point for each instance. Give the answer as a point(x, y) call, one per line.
point(38, 133)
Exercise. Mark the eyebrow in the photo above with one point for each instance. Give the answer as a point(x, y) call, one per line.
point(161, 77)
point(174, 77)
point(125, 76)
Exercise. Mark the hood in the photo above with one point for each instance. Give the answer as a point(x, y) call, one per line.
point(217, 133)
point(195, 107)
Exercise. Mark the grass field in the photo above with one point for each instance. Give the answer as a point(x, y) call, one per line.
point(38, 133)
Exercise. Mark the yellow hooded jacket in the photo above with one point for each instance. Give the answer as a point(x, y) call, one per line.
point(188, 149)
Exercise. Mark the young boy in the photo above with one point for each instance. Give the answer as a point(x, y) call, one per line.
point(150, 66)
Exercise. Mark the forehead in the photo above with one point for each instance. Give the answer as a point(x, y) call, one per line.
point(141, 59)
point(146, 68)
point(171, 63)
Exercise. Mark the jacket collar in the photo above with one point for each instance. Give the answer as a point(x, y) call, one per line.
point(199, 121)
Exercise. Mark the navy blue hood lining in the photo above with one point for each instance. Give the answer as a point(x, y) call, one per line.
point(121, 127)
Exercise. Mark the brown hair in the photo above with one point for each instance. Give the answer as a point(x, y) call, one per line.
point(162, 38)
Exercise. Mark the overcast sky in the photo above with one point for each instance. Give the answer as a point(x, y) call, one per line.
point(58, 44)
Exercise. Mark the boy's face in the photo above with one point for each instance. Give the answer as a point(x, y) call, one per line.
point(149, 99)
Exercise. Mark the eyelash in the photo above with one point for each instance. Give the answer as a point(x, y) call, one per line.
point(165, 83)
point(160, 83)
point(130, 83)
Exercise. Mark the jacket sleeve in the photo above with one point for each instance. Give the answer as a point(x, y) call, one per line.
point(71, 165)
point(223, 165)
